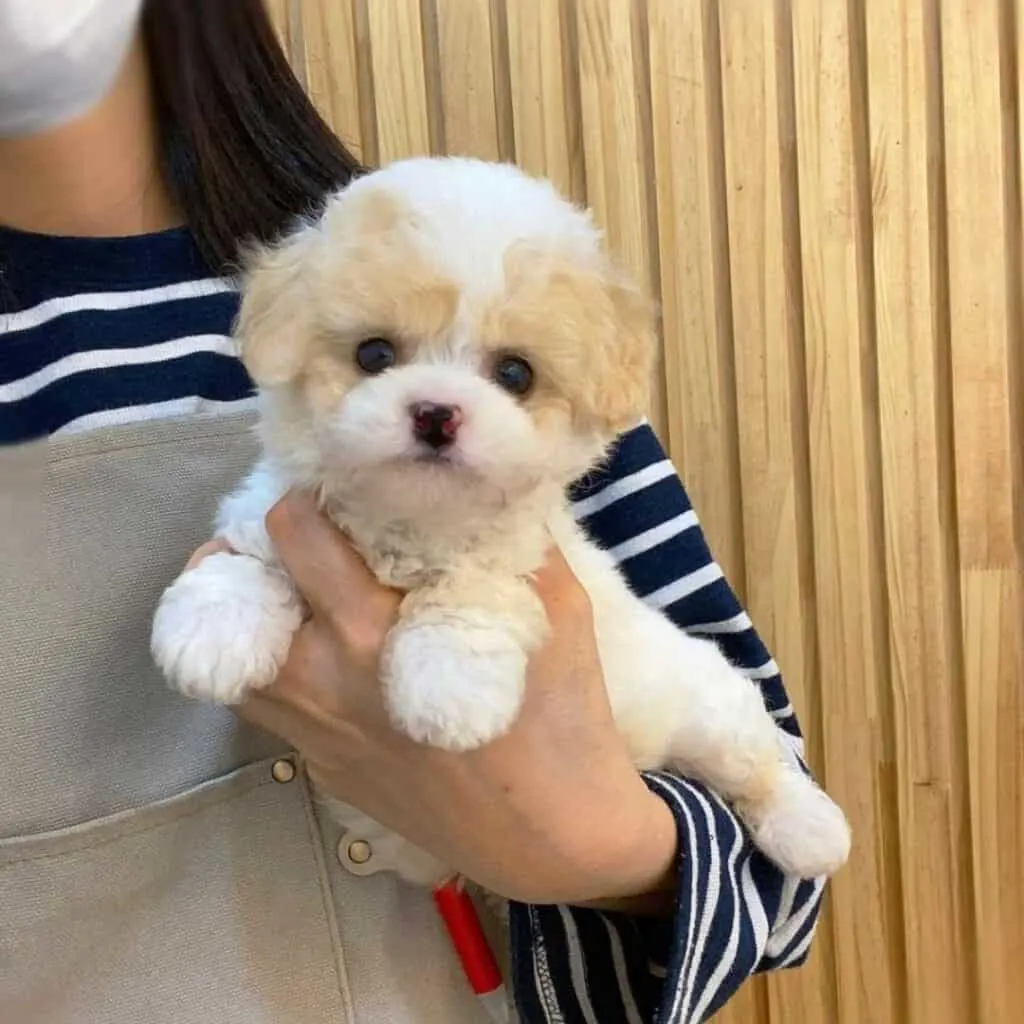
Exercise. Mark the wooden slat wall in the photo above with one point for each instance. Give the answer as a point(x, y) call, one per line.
point(826, 197)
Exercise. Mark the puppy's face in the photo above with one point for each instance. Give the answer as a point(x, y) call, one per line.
point(449, 335)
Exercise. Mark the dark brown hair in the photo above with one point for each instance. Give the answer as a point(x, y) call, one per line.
point(242, 149)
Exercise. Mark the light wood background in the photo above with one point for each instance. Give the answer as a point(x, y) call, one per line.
point(826, 197)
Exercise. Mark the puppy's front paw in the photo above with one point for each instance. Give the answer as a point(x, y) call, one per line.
point(799, 827)
point(224, 628)
point(453, 685)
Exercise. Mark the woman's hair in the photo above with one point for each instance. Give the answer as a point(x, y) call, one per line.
point(242, 149)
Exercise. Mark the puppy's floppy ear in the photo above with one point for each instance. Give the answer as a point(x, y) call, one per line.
point(618, 382)
point(613, 326)
point(273, 320)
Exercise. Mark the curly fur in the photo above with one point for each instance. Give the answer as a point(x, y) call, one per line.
point(458, 262)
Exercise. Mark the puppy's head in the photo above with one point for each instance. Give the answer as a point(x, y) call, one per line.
point(449, 333)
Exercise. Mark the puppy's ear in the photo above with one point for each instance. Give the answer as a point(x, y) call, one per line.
point(619, 386)
point(273, 320)
point(614, 325)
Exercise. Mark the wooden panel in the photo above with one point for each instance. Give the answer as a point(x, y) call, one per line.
point(611, 67)
point(834, 202)
point(764, 251)
point(395, 35)
point(544, 93)
point(466, 64)
point(329, 54)
point(614, 89)
point(686, 105)
point(984, 283)
point(914, 406)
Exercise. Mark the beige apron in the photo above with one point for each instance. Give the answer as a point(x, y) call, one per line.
point(153, 870)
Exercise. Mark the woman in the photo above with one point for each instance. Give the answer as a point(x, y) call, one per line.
point(163, 861)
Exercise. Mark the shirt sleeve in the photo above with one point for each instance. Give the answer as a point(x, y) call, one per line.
point(736, 913)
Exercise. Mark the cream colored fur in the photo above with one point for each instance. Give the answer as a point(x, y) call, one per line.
point(459, 263)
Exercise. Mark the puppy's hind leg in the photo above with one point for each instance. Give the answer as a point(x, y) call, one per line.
point(724, 736)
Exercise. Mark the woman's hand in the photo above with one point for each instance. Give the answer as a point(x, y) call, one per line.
point(552, 812)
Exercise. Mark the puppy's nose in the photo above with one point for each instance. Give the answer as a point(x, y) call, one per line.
point(436, 425)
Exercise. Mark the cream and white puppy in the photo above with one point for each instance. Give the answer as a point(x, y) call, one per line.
point(440, 355)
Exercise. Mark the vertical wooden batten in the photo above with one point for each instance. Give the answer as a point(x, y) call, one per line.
point(982, 235)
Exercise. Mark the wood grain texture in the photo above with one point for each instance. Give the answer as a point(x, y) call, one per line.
point(984, 292)
point(774, 468)
point(330, 56)
point(466, 70)
point(849, 587)
point(398, 62)
point(544, 92)
point(696, 306)
point(825, 195)
point(615, 115)
point(911, 305)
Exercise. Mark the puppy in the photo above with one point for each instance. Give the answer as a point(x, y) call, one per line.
point(439, 355)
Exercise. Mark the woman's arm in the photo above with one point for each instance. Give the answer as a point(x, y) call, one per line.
point(733, 912)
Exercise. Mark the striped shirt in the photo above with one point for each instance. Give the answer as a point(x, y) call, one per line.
point(97, 332)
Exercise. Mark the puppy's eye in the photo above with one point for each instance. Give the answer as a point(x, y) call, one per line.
point(514, 374)
point(375, 355)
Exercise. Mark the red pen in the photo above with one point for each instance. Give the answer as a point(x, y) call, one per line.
point(478, 963)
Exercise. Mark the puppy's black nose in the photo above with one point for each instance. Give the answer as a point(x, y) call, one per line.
point(436, 425)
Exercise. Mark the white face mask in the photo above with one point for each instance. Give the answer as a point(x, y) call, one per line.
point(58, 58)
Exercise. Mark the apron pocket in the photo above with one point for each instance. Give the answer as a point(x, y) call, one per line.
point(212, 905)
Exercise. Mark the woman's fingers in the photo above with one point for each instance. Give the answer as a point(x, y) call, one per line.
point(556, 585)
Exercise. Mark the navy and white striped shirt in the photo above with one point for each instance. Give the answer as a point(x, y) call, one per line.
point(95, 332)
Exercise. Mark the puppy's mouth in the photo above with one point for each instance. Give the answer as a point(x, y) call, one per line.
point(443, 464)
point(446, 459)
point(443, 461)
point(435, 456)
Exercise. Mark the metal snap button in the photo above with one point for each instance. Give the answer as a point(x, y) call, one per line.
point(359, 851)
point(283, 770)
